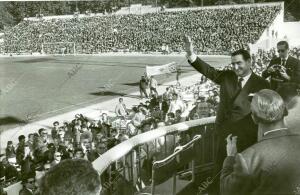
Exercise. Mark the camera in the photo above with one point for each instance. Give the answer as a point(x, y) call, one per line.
point(276, 73)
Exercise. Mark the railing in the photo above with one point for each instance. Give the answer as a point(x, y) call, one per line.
point(127, 159)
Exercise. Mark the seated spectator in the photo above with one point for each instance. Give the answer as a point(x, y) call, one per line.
point(71, 177)
point(78, 153)
point(170, 119)
point(10, 150)
point(57, 158)
point(176, 104)
point(201, 110)
point(120, 109)
point(138, 117)
point(271, 165)
point(178, 117)
point(11, 171)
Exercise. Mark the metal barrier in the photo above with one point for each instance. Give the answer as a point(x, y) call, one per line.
point(125, 160)
point(130, 162)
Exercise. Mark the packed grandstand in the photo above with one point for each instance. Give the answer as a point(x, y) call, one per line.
point(217, 30)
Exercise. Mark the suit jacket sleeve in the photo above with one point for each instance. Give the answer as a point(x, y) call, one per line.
point(265, 73)
point(235, 176)
point(296, 72)
point(207, 70)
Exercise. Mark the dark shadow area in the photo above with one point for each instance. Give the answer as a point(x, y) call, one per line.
point(107, 93)
point(35, 60)
point(112, 93)
point(132, 84)
point(10, 120)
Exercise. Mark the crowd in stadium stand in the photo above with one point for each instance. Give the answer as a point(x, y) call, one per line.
point(88, 138)
point(236, 28)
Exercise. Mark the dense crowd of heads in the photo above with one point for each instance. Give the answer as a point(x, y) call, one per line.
point(85, 138)
point(235, 29)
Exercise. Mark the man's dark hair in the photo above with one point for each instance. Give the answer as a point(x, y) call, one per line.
point(288, 91)
point(56, 123)
point(285, 43)
point(41, 130)
point(171, 115)
point(21, 137)
point(71, 177)
point(243, 52)
point(78, 150)
point(30, 134)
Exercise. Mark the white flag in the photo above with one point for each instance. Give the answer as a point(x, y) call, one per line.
point(163, 69)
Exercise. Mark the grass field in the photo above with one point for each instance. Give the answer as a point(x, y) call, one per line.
point(39, 87)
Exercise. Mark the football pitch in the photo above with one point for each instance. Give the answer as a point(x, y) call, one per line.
point(35, 88)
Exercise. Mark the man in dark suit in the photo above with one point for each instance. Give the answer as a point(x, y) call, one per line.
point(233, 116)
point(270, 166)
point(284, 68)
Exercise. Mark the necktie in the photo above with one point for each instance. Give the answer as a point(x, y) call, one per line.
point(240, 83)
point(283, 62)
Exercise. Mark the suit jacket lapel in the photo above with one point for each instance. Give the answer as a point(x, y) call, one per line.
point(248, 84)
point(245, 89)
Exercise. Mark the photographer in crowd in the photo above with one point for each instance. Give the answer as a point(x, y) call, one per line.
point(284, 68)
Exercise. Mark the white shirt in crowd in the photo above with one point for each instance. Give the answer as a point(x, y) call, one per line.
point(153, 83)
point(176, 105)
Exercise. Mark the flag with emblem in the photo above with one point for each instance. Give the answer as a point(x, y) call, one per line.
point(162, 69)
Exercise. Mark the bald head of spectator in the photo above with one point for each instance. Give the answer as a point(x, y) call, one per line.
point(71, 177)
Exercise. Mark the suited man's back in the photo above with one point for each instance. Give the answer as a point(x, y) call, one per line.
point(272, 167)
